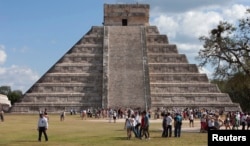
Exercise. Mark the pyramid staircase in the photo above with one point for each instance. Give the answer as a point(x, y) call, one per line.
point(75, 81)
point(174, 83)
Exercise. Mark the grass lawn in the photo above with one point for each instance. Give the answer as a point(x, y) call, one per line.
point(21, 130)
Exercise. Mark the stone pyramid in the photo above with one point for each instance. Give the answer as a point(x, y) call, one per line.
point(124, 63)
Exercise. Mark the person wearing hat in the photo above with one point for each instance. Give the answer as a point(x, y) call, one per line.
point(42, 127)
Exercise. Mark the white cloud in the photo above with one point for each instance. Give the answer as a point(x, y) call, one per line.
point(167, 25)
point(234, 13)
point(195, 23)
point(18, 78)
point(3, 55)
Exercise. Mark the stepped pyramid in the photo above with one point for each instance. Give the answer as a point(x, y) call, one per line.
point(124, 63)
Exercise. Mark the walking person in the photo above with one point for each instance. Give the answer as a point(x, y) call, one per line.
point(42, 127)
point(164, 125)
point(169, 125)
point(145, 125)
point(128, 127)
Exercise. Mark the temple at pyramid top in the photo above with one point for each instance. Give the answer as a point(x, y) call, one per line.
point(126, 14)
point(124, 63)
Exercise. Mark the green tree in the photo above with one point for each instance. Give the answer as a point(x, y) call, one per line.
point(13, 96)
point(227, 50)
point(5, 90)
point(238, 89)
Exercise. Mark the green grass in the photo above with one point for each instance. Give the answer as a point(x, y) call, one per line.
point(21, 130)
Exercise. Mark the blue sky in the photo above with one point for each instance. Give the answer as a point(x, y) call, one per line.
point(36, 34)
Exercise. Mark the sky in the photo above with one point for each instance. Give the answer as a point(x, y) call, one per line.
point(34, 35)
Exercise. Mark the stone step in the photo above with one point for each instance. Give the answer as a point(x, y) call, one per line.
point(82, 58)
point(172, 68)
point(152, 30)
point(71, 78)
point(178, 78)
point(95, 31)
point(59, 98)
point(167, 58)
point(198, 98)
point(73, 74)
point(91, 40)
point(76, 68)
point(183, 88)
point(60, 94)
point(162, 48)
point(157, 39)
point(225, 106)
point(67, 88)
point(53, 107)
point(87, 48)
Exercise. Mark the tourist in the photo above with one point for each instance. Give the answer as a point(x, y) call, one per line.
point(138, 124)
point(227, 122)
point(169, 125)
point(244, 121)
point(248, 121)
point(84, 114)
point(114, 116)
point(145, 125)
point(133, 124)
point(62, 116)
point(42, 127)
point(203, 120)
point(177, 125)
point(164, 125)
point(218, 122)
point(211, 124)
point(235, 122)
point(128, 126)
point(191, 120)
point(2, 115)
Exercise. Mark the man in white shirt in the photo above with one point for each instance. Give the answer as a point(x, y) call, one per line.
point(42, 127)
point(169, 125)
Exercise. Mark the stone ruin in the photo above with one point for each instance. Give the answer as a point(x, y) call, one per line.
point(124, 63)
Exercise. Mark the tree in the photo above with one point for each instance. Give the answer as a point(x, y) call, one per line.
point(238, 89)
point(13, 96)
point(227, 48)
point(5, 90)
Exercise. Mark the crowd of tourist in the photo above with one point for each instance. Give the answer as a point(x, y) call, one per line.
point(137, 122)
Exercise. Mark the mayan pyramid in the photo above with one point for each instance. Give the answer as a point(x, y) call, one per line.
point(123, 63)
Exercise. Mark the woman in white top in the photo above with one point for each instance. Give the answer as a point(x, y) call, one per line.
point(128, 127)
